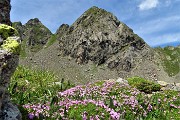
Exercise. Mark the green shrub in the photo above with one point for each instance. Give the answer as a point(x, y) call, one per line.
point(143, 84)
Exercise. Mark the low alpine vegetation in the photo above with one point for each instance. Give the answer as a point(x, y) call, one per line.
point(39, 98)
point(144, 85)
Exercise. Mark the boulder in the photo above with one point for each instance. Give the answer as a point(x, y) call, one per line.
point(120, 80)
point(162, 83)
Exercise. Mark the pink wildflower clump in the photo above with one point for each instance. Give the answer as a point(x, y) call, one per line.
point(115, 99)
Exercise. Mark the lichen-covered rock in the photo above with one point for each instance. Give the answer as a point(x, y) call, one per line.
point(6, 31)
point(11, 45)
point(5, 8)
point(9, 58)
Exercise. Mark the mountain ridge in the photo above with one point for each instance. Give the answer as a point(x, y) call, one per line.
point(34, 35)
point(98, 37)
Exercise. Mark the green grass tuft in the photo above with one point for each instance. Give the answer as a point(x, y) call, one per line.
point(32, 86)
point(51, 41)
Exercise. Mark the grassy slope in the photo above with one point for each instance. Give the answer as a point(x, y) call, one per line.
point(170, 59)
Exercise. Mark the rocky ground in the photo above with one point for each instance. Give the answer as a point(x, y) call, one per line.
point(66, 67)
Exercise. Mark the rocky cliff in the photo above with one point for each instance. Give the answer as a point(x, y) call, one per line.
point(34, 35)
point(62, 30)
point(99, 36)
point(9, 57)
point(5, 8)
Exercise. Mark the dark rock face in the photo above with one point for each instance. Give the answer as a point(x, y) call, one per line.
point(62, 30)
point(20, 28)
point(100, 37)
point(8, 64)
point(36, 33)
point(5, 8)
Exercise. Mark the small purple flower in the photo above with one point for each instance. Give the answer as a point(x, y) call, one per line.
point(149, 107)
point(145, 114)
point(172, 105)
point(165, 99)
point(30, 116)
point(84, 115)
point(115, 103)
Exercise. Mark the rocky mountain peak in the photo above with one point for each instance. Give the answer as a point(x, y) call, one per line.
point(96, 15)
point(62, 29)
point(34, 35)
point(98, 36)
point(34, 21)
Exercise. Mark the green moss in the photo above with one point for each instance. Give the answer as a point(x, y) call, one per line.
point(144, 85)
point(6, 31)
point(11, 45)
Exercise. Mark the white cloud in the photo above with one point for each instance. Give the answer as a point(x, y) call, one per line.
point(148, 4)
point(164, 39)
point(160, 31)
point(158, 25)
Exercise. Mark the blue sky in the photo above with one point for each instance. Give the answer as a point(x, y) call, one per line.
point(156, 21)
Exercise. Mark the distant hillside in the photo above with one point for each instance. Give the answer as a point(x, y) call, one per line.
point(34, 36)
point(170, 57)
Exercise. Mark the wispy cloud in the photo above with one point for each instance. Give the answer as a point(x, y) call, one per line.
point(165, 39)
point(159, 31)
point(148, 4)
point(158, 25)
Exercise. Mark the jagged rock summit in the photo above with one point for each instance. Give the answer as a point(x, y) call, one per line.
point(98, 35)
point(34, 34)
